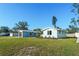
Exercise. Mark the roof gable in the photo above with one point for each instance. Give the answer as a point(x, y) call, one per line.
point(51, 29)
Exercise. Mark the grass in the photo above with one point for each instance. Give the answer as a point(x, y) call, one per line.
point(12, 46)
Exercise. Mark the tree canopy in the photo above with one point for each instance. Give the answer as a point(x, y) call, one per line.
point(4, 29)
point(21, 25)
point(74, 24)
point(54, 20)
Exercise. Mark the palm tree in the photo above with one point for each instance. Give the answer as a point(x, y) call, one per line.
point(54, 20)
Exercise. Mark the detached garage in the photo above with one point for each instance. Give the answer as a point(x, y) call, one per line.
point(26, 33)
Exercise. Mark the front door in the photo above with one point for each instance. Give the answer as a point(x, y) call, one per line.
point(20, 34)
point(30, 34)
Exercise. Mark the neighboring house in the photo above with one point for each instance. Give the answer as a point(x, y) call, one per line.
point(27, 33)
point(4, 34)
point(46, 33)
point(24, 33)
point(14, 34)
point(71, 35)
point(53, 33)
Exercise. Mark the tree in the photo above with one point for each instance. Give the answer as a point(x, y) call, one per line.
point(37, 29)
point(75, 10)
point(54, 20)
point(74, 24)
point(73, 27)
point(58, 28)
point(4, 29)
point(73, 21)
point(78, 21)
point(21, 25)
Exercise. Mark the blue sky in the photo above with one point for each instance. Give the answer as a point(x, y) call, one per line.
point(37, 15)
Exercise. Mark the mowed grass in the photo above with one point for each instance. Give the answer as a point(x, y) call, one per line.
point(12, 46)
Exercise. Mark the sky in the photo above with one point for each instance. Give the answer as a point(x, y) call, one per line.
point(38, 15)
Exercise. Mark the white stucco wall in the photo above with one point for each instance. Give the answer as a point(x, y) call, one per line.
point(20, 34)
point(77, 36)
point(54, 33)
point(11, 34)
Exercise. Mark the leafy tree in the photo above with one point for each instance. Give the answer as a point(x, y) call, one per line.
point(58, 28)
point(74, 24)
point(54, 20)
point(4, 29)
point(21, 25)
point(37, 29)
point(72, 29)
point(78, 21)
point(73, 21)
point(75, 9)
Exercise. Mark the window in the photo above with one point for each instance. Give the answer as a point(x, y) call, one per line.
point(49, 32)
point(59, 31)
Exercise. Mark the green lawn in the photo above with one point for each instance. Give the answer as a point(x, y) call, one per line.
point(13, 46)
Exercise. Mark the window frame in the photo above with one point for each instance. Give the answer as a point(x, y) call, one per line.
point(49, 32)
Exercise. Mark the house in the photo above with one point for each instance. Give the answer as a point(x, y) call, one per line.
point(24, 33)
point(53, 33)
point(70, 35)
point(4, 34)
point(27, 33)
point(14, 34)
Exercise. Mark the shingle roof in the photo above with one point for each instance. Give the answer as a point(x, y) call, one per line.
point(50, 28)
